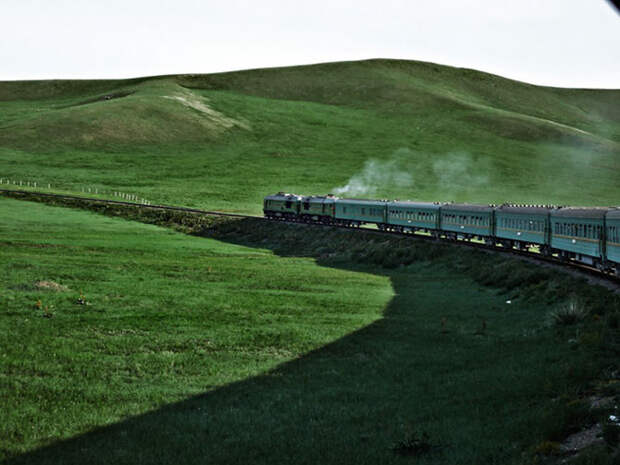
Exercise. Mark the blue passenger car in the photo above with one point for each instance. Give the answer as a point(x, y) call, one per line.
point(354, 212)
point(613, 239)
point(522, 226)
point(466, 221)
point(413, 216)
point(578, 233)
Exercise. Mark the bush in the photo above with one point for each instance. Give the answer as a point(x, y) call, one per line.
point(566, 418)
point(569, 313)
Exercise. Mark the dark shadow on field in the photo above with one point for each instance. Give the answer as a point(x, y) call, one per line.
point(347, 402)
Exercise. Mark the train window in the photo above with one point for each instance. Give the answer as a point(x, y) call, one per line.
point(363, 211)
point(288, 204)
point(306, 206)
point(344, 209)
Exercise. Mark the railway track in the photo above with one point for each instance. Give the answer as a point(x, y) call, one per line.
point(535, 256)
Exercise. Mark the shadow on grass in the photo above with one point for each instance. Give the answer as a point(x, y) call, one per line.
point(446, 362)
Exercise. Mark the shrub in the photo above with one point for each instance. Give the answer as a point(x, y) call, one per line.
point(565, 418)
point(569, 313)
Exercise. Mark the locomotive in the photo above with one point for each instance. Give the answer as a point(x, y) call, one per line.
point(589, 235)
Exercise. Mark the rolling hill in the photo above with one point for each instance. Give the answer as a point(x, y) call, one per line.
point(382, 128)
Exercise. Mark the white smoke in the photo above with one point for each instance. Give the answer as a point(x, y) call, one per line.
point(379, 175)
point(457, 172)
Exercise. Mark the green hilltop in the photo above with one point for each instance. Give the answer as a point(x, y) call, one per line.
point(401, 129)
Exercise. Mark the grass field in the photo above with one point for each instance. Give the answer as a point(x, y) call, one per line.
point(279, 344)
point(127, 342)
point(224, 141)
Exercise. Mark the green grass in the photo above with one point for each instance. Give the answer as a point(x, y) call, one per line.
point(169, 316)
point(460, 134)
point(286, 344)
point(277, 344)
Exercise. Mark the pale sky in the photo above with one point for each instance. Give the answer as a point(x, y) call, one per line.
point(568, 43)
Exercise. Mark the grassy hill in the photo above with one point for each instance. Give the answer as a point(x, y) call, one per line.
point(398, 129)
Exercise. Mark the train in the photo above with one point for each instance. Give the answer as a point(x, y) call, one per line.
point(589, 235)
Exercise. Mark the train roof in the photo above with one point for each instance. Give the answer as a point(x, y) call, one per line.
point(524, 209)
point(467, 207)
point(597, 213)
point(318, 198)
point(283, 196)
point(413, 204)
point(614, 214)
point(362, 201)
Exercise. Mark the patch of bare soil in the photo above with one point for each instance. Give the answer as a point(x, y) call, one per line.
point(579, 441)
point(50, 286)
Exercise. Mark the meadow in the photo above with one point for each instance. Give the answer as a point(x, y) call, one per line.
point(175, 338)
point(224, 141)
point(278, 344)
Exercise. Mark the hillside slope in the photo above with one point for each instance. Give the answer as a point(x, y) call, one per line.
point(385, 128)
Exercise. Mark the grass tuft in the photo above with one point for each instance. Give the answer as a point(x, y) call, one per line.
point(415, 444)
point(569, 313)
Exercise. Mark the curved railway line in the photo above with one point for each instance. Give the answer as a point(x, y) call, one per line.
point(535, 256)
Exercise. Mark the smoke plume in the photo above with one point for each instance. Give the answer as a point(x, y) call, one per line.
point(378, 174)
point(457, 172)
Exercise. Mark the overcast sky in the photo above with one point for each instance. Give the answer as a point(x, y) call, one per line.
point(569, 43)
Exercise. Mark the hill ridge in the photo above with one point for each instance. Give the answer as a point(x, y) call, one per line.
point(230, 138)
